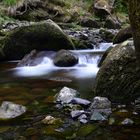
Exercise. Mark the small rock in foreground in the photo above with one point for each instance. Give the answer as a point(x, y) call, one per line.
point(9, 110)
point(66, 95)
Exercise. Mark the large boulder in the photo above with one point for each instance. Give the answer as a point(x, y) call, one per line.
point(45, 35)
point(118, 78)
point(123, 35)
point(112, 23)
point(102, 8)
point(65, 58)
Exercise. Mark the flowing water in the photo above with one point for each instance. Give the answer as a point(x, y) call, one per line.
point(36, 86)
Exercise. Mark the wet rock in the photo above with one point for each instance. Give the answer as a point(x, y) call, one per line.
point(66, 95)
point(123, 35)
point(104, 56)
point(83, 118)
point(108, 34)
point(127, 121)
point(65, 58)
point(85, 38)
point(51, 120)
point(97, 116)
point(112, 23)
point(77, 113)
point(9, 110)
point(80, 101)
point(118, 77)
point(45, 35)
point(28, 59)
point(100, 103)
point(88, 22)
point(100, 108)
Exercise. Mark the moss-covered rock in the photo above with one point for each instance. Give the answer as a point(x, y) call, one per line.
point(40, 36)
point(118, 78)
point(123, 35)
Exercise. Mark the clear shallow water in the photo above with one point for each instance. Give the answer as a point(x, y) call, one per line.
point(35, 88)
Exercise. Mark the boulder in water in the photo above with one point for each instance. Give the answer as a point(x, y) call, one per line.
point(65, 58)
point(118, 78)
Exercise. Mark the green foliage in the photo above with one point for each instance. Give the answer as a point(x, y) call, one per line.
point(121, 6)
point(4, 19)
point(9, 2)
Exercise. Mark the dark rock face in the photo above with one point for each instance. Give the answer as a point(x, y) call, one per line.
point(40, 36)
point(112, 23)
point(101, 8)
point(118, 78)
point(88, 22)
point(104, 56)
point(123, 35)
point(65, 58)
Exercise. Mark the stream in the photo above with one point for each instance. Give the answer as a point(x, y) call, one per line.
point(35, 88)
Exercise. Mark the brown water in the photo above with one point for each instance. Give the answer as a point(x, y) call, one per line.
point(37, 94)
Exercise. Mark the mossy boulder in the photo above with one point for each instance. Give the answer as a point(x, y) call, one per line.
point(118, 78)
point(123, 35)
point(45, 35)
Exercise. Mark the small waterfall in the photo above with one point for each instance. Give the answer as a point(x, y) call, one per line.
point(86, 67)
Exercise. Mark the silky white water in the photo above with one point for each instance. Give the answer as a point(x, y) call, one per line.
point(86, 67)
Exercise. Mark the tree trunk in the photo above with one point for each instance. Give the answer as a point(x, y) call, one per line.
point(134, 16)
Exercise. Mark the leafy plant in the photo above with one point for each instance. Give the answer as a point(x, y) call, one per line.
point(9, 2)
point(121, 6)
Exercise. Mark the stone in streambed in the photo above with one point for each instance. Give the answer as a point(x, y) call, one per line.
point(66, 95)
point(65, 58)
point(77, 113)
point(80, 101)
point(100, 109)
point(9, 110)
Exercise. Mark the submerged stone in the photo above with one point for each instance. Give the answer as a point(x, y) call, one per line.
point(66, 95)
point(9, 110)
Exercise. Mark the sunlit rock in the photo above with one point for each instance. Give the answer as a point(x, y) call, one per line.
point(66, 95)
point(65, 58)
point(9, 110)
